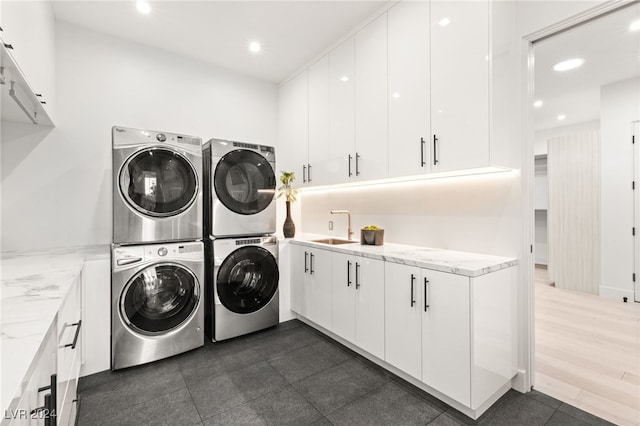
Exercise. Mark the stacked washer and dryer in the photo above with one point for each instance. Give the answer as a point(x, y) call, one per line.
point(157, 261)
point(241, 270)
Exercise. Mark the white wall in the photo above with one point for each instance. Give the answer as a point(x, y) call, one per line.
point(620, 104)
point(469, 213)
point(56, 185)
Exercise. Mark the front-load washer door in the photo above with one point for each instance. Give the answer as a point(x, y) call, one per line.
point(158, 182)
point(159, 298)
point(244, 182)
point(247, 280)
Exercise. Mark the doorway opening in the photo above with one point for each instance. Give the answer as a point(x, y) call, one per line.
point(587, 210)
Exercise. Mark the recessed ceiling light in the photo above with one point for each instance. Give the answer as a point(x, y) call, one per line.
point(444, 22)
point(255, 47)
point(569, 64)
point(635, 26)
point(344, 78)
point(561, 117)
point(143, 7)
point(537, 103)
point(396, 95)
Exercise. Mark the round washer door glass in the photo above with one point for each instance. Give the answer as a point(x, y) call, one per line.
point(159, 182)
point(244, 182)
point(247, 279)
point(159, 298)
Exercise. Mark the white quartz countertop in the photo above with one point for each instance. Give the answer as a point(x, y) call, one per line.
point(33, 286)
point(455, 262)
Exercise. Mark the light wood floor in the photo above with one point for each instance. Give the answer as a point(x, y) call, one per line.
point(588, 351)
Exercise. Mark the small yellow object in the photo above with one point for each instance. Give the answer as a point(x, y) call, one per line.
point(372, 228)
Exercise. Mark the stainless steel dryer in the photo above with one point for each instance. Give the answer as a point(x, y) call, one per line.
point(244, 281)
point(156, 298)
point(240, 189)
point(156, 186)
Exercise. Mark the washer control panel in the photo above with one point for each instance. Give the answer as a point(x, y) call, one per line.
point(129, 256)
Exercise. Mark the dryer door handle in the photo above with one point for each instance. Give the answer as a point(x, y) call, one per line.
point(128, 261)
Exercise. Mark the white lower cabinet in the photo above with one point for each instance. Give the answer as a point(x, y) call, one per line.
point(403, 318)
point(311, 284)
point(38, 399)
point(69, 356)
point(358, 301)
point(427, 327)
point(446, 338)
point(453, 333)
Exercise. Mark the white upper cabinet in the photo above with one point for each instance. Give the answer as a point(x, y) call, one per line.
point(29, 28)
point(371, 100)
point(410, 93)
point(408, 89)
point(459, 85)
point(342, 110)
point(318, 169)
point(299, 113)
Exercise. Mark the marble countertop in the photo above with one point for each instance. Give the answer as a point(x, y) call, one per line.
point(455, 262)
point(33, 285)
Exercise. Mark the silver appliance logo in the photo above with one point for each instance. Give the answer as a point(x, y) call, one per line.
point(245, 242)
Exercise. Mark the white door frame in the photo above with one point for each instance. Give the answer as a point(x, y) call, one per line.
point(636, 209)
point(527, 305)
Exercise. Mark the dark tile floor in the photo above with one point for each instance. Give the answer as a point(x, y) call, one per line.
point(288, 375)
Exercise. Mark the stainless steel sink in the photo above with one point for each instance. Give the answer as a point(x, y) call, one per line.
point(333, 241)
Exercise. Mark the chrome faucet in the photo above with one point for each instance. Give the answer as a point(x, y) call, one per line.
point(348, 213)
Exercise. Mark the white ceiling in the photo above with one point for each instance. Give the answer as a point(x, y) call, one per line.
point(218, 32)
point(612, 53)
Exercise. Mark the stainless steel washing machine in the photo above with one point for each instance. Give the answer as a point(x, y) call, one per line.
point(240, 189)
point(243, 286)
point(157, 307)
point(157, 192)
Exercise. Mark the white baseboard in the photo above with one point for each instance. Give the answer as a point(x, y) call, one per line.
point(616, 293)
point(519, 382)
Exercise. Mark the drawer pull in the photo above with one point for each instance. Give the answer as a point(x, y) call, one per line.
point(413, 279)
point(49, 407)
point(426, 300)
point(75, 338)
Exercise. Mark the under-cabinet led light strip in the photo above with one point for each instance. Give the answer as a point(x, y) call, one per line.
point(467, 173)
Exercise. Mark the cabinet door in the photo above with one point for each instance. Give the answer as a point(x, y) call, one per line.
point(371, 100)
point(343, 296)
point(41, 377)
point(319, 288)
point(29, 26)
point(403, 318)
point(300, 126)
point(342, 111)
point(318, 172)
point(459, 84)
point(446, 347)
point(69, 356)
point(369, 305)
point(408, 89)
point(299, 262)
